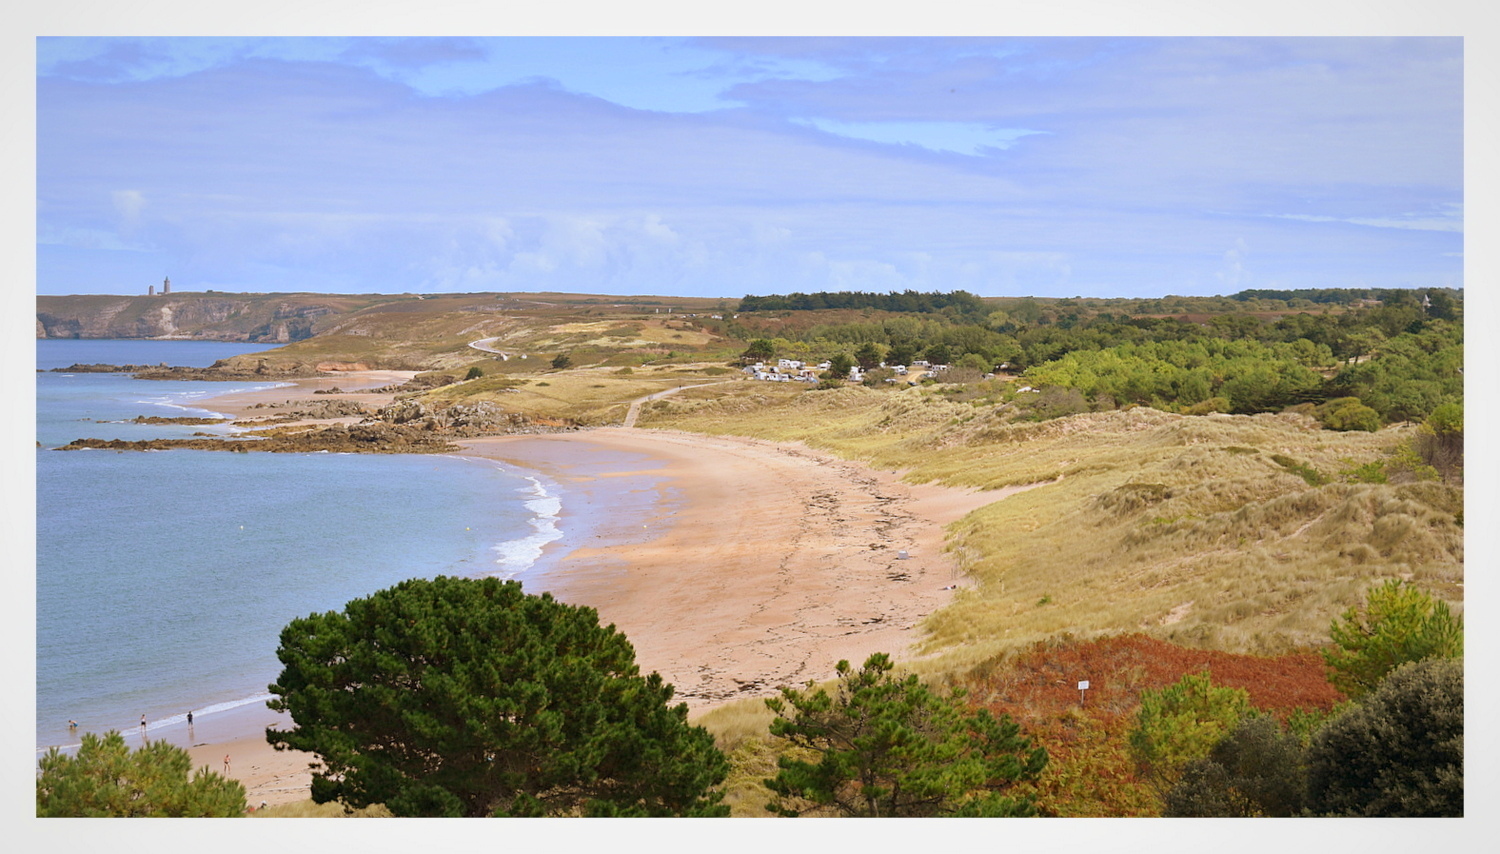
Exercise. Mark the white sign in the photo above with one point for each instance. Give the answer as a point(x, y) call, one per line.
point(1084, 685)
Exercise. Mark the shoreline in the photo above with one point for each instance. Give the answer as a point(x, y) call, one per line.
point(772, 563)
point(757, 564)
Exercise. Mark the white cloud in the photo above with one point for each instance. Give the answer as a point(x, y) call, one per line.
point(1233, 272)
point(128, 206)
point(971, 138)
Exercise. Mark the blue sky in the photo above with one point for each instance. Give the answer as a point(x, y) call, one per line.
point(724, 166)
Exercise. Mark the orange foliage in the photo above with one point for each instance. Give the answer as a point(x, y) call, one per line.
point(1089, 771)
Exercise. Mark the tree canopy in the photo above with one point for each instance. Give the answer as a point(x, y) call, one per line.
point(885, 745)
point(468, 697)
point(106, 778)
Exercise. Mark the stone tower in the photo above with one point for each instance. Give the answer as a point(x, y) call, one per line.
point(166, 286)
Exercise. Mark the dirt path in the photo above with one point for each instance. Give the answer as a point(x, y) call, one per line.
point(635, 405)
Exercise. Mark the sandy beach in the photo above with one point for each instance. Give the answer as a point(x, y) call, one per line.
point(758, 565)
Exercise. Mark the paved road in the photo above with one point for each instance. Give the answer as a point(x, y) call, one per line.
point(484, 345)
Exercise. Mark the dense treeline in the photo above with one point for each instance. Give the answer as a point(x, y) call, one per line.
point(1327, 296)
point(1401, 358)
point(958, 303)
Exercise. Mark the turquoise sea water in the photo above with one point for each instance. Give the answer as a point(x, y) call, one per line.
point(164, 578)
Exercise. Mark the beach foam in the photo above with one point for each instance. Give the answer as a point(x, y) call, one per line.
point(517, 556)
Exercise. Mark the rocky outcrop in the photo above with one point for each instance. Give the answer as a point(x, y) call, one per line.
point(312, 410)
point(159, 419)
point(465, 420)
point(338, 438)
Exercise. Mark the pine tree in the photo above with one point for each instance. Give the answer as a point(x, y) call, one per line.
point(468, 697)
point(107, 779)
point(889, 746)
point(1182, 722)
point(1398, 623)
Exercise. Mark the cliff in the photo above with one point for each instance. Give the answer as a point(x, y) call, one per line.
point(269, 318)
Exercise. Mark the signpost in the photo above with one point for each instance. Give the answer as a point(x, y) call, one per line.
point(1082, 686)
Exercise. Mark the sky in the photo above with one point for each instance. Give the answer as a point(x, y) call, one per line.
point(732, 165)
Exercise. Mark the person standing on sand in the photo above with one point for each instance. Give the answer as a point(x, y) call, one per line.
point(190, 718)
point(226, 764)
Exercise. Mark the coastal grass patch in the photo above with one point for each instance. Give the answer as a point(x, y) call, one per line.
point(585, 396)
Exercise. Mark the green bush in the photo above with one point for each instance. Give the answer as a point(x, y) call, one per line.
point(1348, 413)
point(1257, 770)
point(107, 779)
point(1397, 752)
point(1180, 723)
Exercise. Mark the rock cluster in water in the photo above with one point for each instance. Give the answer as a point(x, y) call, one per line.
point(403, 427)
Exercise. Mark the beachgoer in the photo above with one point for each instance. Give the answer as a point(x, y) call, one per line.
point(72, 724)
point(226, 763)
point(190, 718)
point(143, 723)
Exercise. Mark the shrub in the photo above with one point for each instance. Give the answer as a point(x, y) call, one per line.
point(1397, 752)
point(1257, 770)
point(1348, 413)
point(106, 779)
point(1182, 722)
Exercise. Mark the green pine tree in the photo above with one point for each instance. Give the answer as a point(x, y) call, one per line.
point(885, 746)
point(107, 779)
point(1398, 623)
point(468, 697)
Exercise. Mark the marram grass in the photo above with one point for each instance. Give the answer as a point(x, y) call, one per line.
point(1185, 527)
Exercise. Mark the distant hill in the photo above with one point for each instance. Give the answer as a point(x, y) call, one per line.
point(302, 331)
point(271, 318)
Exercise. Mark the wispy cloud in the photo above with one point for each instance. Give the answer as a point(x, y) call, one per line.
point(727, 166)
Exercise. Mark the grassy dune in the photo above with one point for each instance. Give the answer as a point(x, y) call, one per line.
point(1203, 530)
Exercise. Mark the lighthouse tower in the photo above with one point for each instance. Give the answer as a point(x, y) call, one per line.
point(166, 286)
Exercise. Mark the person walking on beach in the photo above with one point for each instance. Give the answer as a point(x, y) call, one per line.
point(226, 764)
point(190, 718)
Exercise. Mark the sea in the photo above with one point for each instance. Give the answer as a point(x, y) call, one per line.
point(163, 579)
